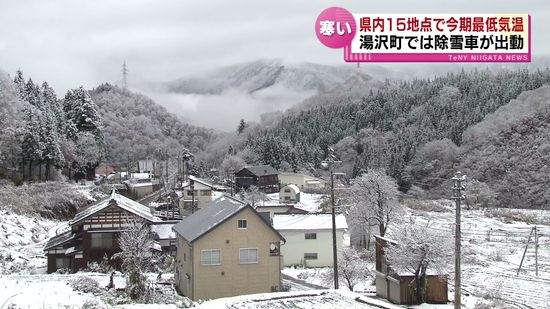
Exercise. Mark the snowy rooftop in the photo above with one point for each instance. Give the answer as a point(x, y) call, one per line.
point(209, 217)
point(297, 222)
point(116, 200)
point(164, 229)
point(196, 180)
point(293, 187)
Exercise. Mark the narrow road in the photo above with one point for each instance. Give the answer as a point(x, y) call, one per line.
point(300, 285)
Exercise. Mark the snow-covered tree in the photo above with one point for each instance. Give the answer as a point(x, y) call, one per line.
point(135, 244)
point(419, 248)
point(253, 195)
point(232, 164)
point(353, 268)
point(374, 204)
point(88, 154)
point(242, 126)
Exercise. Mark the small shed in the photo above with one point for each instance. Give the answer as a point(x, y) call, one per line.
point(397, 287)
point(289, 194)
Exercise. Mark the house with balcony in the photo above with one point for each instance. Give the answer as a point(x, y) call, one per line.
point(226, 249)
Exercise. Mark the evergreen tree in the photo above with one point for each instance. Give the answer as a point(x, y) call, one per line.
point(242, 126)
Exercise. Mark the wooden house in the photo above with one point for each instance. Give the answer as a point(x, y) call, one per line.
point(264, 177)
point(93, 233)
point(226, 249)
point(397, 287)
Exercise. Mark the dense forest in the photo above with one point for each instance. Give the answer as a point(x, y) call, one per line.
point(388, 129)
point(135, 126)
point(44, 136)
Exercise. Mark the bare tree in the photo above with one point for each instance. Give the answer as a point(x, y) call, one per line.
point(374, 203)
point(352, 268)
point(420, 248)
point(253, 196)
point(135, 243)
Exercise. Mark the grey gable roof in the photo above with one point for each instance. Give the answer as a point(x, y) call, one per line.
point(207, 218)
point(261, 170)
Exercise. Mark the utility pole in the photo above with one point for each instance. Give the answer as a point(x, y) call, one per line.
point(536, 252)
point(525, 251)
point(330, 161)
point(334, 248)
point(192, 187)
point(458, 196)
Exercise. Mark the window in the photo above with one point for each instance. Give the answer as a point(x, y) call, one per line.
point(287, 190)
point(190, 192)
point(102, 240)
point(242, 224)
point(310, 256)
point(287, 198)
point(63, 263)
point(206, 192)
point(311, 235)
point(248, 255)
point(211, 257)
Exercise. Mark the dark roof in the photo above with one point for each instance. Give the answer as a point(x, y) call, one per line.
point(60, 240)
point(116, 200)
point(208, 218)
point(261, 170)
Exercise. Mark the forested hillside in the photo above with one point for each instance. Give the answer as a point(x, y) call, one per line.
point(506, 156)
point(386, 129)
point(43, 135)
point(135, 126)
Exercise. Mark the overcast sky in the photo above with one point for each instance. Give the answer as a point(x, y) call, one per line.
point(72, 43)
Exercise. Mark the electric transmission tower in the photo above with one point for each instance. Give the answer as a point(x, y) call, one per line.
point(124, 75)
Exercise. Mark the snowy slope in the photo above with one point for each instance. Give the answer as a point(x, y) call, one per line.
point(262, 74)
point(22, 239)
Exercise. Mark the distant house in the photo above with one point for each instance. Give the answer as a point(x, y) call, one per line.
point(304, 182)
point(289, 194)
point(141, 184)
point(105, 169)
point(226, 249)
point(309, 238)
point(396, 287)
point(273, 209)
point(262, 176)
point(201, 193)
point(147, 166)
point(94, 231)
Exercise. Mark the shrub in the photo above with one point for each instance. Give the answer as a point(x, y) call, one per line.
point(86, 285)
point(94, 304)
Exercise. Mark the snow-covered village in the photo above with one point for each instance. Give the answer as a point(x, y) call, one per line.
point(211, 154)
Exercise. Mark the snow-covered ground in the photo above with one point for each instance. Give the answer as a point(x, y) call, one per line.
point(492, 251)
point(314, 299)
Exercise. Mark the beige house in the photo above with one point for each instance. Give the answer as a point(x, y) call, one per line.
point(304, 182)
point(201, 193)
point(226, 249)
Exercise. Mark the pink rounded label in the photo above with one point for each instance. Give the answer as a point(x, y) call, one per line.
point(335, 27)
